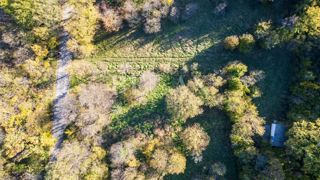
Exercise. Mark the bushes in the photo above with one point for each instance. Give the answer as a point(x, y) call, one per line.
point(81, 27)
point(153, 11)
point(246, 122)
point(149, 12)
point(112, 21)
point(195, 139)
point(34, 13)
point(231, 42)
point(183, 104)
point(246, 43)
point(76, 160)
point(309, 22)
point(146, 157)
point(147, 83)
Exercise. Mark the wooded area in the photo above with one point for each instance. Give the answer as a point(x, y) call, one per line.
point(160, 89)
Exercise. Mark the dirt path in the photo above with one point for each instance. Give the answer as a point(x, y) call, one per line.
point(62, 87)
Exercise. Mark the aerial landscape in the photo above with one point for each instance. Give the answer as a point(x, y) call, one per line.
point(160, 89)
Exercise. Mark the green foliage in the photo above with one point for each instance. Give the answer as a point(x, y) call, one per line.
point(137, 114)
point(195, 139)
point(34, 13)
point(306, 93)
point(309, 22)
point(81, 27)
point(246, 43)
point(263, 29)
point(183, 104)
point(245, 118)
point(303, 146)
point(4, 3)
point(236, 69)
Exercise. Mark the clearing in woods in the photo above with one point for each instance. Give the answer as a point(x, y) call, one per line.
point(197, 39)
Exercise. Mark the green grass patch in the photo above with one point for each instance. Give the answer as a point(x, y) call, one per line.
point(140, 116)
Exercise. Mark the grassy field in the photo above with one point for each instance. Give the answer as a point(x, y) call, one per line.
point(195, 40)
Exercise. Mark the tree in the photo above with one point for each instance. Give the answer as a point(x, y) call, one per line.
point(263, 29)
point(309, 22)
point(148, 81)
point(235, 69)
point(81, 26)
point(159, 160)
point(102, 98)
point(183, 104)
point(177, 163)
point(112, 21)
point(153, 11)
point(131, 13)
point(195, 139)
point(231, 42)
point(123, 153)
point(77, 161)
point(95, 108)
point(34, 13)
point(303, 146)
point(246, 43)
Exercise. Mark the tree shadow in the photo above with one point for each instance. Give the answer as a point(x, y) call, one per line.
point(193, 35)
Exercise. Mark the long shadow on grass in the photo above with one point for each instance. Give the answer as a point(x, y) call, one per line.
point(195, 33)
point(142, 117)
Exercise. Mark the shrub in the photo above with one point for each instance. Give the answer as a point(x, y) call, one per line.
point(81, 27)
point(195, 139)
point(246, 43)
point(112, 21)
point(159, 160)
point(183, 104)
point(263, 29)
point(131, 13)
point(174, 14)
point(102, 98)
point(148, 81)
point(76, 160)
point(177, 163)
point(166, 68)
point(309, 22)
point(40, 52)
point(153, 11)
point(231, 42)
point(235, 69)
point(46, 14)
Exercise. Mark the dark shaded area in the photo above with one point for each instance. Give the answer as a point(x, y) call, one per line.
point(218, 127)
